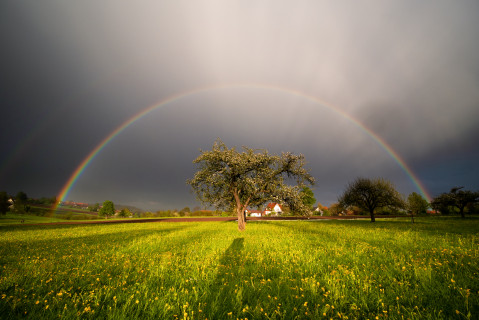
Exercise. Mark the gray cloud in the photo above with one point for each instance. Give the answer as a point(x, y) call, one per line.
point(75, 71)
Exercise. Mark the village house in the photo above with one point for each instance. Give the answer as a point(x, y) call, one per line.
point(254, 213)
point(273, 209)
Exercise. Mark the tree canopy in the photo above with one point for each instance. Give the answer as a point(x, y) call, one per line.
point(125, 213)
point(4, 202)
point(371, 194)
point(231, 179)
point(20, 202)
point(416, 204)
point(307, 197)
point(456, 198)
point(107, 210)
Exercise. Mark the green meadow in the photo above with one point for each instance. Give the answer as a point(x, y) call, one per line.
point(391, 269)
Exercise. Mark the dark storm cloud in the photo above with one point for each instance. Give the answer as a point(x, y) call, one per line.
point(73, 72)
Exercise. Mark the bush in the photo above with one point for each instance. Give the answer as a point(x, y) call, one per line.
point(147, 214)
point(326, 213)
point(49, 213)
point(165, 213)
point(201, 213)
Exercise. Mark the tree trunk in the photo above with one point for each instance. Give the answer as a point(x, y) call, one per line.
point(241, 219)
point(372, 216)
point(240, 211)
point(412, 217)
point(461, 210)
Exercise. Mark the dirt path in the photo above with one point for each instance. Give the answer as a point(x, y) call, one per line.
point(205, 220)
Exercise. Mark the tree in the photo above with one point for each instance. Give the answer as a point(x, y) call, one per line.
point(236, 180)
point(185, 211)
point(94, 208)
point(20, 202)
point(307, 197)
point(125, 213)
point(371, 194)
point(456, 198)
point(335, 209)
point(107, 210)
point(416, 204)
point(4, 202)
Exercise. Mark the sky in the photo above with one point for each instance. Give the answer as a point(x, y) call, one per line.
point(357, 87)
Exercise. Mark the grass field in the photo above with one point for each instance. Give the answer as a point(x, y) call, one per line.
point(12, 218)
point(274, 270)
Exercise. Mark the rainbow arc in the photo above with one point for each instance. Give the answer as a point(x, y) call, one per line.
point(163, 103)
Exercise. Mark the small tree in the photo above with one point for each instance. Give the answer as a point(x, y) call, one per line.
point(107, 210)
point(20, 202)
point(94, 208)
point(371, 194)
point(456, 198)
point(230, 179)
point(185, 211)
point(125, 213)
point(4, 202)
point(416, 204)
point(307, 197)
point(336, 209)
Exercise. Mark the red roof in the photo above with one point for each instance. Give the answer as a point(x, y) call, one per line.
point(271, 205)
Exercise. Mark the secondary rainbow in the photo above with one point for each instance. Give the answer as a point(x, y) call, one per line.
point(88, 159)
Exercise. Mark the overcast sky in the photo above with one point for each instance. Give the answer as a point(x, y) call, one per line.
point(74, 71)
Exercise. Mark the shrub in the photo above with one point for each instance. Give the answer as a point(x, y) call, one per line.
point(147, 214)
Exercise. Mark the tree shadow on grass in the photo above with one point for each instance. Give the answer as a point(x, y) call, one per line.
point(221, 294)
point(247, 287)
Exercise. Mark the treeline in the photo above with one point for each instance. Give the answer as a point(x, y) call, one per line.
point(185, 212)
point(354, 201)
point(19, 203)
point(373, 195)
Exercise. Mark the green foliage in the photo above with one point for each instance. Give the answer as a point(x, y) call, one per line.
point(124, 213)
point(44, 201)
point(21, 203)
point(164, 213)
point(371, 194)
point(94, 208)
point(202, 213)
point(107, 210)
point(146, 214)
point(12, 218)
point(417, 204)
point(181, 213)
point(307, 197)
point(332, 269)
point(230, 179)
point(336, 208)
point(326, 212)
point(457, 198)
point(4, 203)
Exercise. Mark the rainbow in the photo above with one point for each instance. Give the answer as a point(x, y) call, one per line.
point(88, 159)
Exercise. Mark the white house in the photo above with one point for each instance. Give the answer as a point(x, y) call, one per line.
point(254, 213)
point(273, 209)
